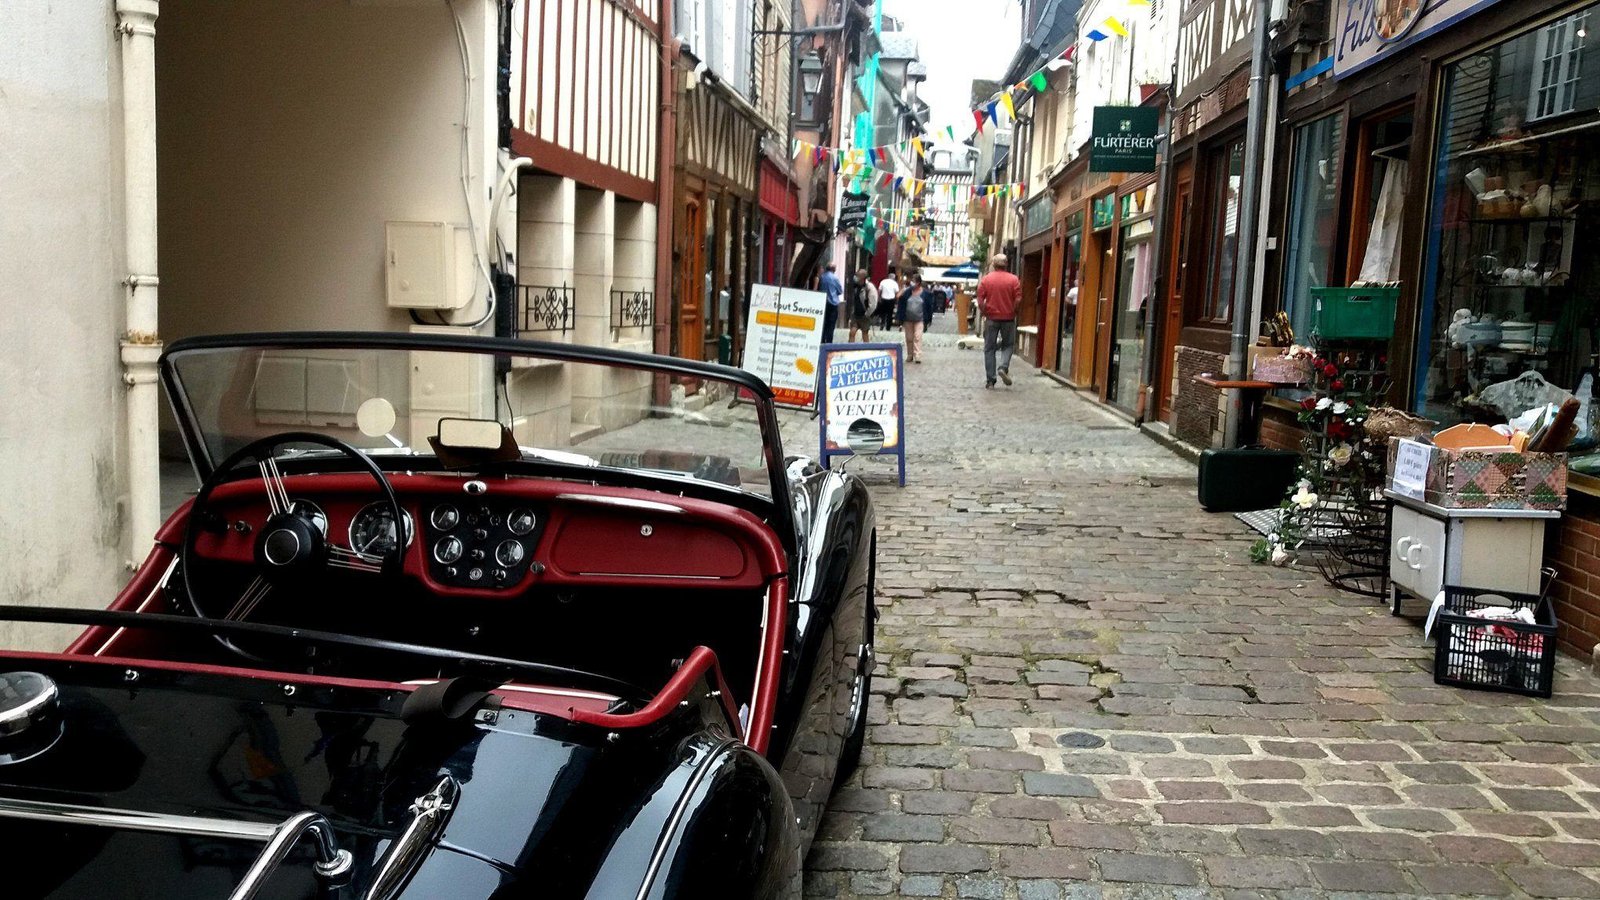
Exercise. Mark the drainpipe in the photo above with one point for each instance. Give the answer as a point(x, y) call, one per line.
point(666, 160)
point(1249, 200)
point(141, 342)
point(1154, 325)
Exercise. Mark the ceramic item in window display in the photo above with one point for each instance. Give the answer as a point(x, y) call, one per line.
point(1477, 181)
point(1556, 278)
point(1483, 332)
point(1541, 200)
point(1456, 331)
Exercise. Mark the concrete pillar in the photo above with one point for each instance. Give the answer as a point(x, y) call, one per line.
point(546, 257)
point(593, 258)
point(635, 263)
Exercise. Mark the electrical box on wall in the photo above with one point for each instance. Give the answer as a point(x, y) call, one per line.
point(426, 265)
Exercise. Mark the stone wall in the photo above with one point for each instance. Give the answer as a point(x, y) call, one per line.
point(1197, 409)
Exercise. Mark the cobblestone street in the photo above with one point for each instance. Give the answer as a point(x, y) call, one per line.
point(1087, 690)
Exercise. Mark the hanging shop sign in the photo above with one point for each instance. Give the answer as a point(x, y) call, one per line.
point(853, 210)
point(1123, 139)
point(1369, 31)
point(1213, 40)
point(863, 409)
point(782, 338)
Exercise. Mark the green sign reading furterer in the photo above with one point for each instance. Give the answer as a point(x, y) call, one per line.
point(1123, 139)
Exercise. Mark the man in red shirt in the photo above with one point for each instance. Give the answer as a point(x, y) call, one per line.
point(999, 292)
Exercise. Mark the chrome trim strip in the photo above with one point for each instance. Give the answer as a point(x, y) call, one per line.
point(528, 689)
point(429, 813)
point(623, 502)
point(280, 839)
point(155, 592)
point(675, 820)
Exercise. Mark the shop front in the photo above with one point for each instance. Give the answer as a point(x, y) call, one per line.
point(1034, 273)
point(1204, 216)
point(1134, 292)
point(1459, 160)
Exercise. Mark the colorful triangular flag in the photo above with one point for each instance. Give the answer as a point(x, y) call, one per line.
point(1039, 81)
point(1115, 24)
point(977, 116)
point(1096, 34)
point(1011, 108)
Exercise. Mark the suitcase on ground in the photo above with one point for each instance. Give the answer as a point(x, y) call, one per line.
point(1246, 479)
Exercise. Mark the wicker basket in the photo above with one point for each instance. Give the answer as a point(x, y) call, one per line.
point(1386, 422)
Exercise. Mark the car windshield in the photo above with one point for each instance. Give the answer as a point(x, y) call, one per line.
point(620, 415)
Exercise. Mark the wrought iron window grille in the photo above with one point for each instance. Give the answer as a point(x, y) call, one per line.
point(632, 309)
point(545, 309)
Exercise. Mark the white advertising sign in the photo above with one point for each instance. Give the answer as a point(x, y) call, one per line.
point(1368, 30)
point(781, 341)
point(1410, 477)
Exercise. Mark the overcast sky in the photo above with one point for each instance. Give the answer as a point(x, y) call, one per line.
point(959, 40)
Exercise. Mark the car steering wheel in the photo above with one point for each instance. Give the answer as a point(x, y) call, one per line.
point(292, 545)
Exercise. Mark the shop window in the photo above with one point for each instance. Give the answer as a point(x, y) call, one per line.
point(1312, 232)
point(1510, 304)
point(1226, 174)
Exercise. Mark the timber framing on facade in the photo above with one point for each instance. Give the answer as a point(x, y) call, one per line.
point(585, 86)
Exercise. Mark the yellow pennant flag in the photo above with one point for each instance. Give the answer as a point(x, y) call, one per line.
point(1115, 24)
point(1011, 108)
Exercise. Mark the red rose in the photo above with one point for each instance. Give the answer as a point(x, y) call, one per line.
point(1383, 359)
point(1308, 404)
point(1318, 363)
point(1330, 370)
point(1337, 384)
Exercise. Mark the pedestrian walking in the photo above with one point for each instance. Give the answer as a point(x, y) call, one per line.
point(863, 302)
point(999, 292)
point(914, 312)
point(830, 314)
point(888, 291)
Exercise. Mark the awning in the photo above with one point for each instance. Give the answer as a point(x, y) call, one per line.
point(779, 196)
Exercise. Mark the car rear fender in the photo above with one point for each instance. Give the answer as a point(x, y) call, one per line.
point(721, 825)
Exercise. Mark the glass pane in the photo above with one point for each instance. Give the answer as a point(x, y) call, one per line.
point(1313, 227)
point(1508, 300)
point(575, 413)
point(1229, 174)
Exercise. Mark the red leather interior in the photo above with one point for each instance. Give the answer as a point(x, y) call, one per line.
point(593, 535)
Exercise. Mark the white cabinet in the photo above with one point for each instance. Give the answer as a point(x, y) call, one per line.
point(1431, 546)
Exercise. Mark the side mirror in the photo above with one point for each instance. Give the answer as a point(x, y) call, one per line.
point(865, 437)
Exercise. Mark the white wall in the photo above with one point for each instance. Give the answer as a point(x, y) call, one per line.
point(61, 403)
point(289, 132)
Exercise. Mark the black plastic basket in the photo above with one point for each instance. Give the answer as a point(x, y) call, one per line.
point(1495, 654)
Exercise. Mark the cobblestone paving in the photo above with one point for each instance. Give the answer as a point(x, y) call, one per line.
point(1087, 690)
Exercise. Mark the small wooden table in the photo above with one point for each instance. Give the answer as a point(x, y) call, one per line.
point(1251, 393)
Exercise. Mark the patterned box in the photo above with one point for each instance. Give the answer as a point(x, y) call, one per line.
point(1492, 479)
point(1281, 369)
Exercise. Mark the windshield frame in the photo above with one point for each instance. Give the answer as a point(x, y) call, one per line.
point(766, 413)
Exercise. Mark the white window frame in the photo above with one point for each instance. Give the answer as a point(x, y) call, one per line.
point(1557, 58)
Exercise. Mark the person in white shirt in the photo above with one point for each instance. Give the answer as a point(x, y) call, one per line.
point(888, 290)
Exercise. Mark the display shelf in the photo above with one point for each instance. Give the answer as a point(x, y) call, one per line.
point(1520, 220)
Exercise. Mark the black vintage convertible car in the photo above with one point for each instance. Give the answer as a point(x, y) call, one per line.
point(452, 618)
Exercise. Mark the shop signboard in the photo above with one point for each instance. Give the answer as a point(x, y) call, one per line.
point(853, 210)
point(1036, 215)
point(863, 409)
point(1123, 139)
point(1369, 31)
point(1213, 40)
point(782, 339)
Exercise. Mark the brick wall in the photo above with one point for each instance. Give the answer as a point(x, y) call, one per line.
point(1280, 430)
point(1572, 546)
point(1196, 408)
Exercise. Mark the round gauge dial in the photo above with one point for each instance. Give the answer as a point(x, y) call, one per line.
point(510, 553)
point(445, 517)
point(521, 521)
point(372, 531)
point(449, 550)
point(312, 513)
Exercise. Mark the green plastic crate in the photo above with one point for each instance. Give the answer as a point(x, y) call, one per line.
point(1365, 313)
